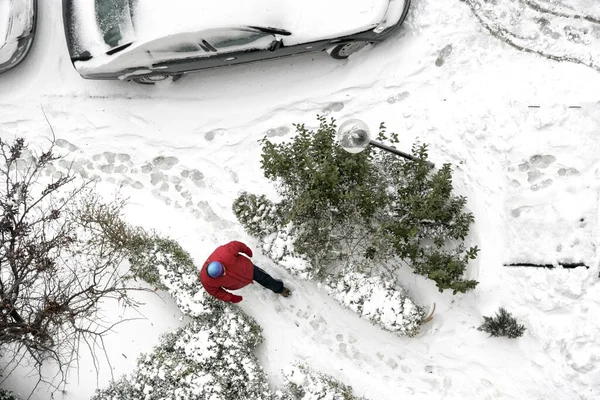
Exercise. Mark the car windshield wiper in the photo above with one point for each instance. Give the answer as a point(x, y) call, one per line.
point(275, 31)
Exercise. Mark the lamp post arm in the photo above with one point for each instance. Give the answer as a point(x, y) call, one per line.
point(397, 152)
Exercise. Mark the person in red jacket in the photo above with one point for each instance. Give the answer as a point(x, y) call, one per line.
point(227, 269)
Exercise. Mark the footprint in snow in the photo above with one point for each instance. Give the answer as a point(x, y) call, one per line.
point(209, 136)
point(568, 172)
point(164, 163)
point(398, 97)
point(542, 160)
point(444, 53)
point(66, 144)
point(543, 184)
point(281, 131)
point(337, 106)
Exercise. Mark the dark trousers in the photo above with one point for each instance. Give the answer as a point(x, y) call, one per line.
point(267, 280)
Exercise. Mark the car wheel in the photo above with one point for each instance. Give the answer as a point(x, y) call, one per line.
point(343, 51)
point(152, 79)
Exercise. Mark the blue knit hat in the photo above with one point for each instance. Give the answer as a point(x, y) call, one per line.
point(215, 269)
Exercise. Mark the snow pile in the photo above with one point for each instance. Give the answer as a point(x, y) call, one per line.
point(302, 383)
point(381, 301)
point(211, 358)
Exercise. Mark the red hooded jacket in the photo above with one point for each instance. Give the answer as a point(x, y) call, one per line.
point(239, 271)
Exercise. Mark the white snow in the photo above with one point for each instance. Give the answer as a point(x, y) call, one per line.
point(520, 130)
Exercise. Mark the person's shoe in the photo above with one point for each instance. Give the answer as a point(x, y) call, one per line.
point(285, 292)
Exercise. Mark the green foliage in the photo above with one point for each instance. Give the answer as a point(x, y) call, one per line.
point(257, 213)
point(503, 324)
point(150, 251)
point(303, 383)
point(212, 357)
point(6, 395)
point(344, 210)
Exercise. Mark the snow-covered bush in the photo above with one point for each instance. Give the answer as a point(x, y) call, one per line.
point(503, 324)
point(303, 383)
point(280, 248)
point(342, 209)
point(382, 301)
point(258, 214)
point(143, 249)
point(6, 395)
point(172, 268)
point(211, 358)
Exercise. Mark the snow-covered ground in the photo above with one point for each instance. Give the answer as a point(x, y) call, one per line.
point(522, 132)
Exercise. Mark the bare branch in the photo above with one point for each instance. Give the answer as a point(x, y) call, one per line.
point(61, 254)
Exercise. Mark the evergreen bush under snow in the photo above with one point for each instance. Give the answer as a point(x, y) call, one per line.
point(382, 301)
point(342, 211)
point(176, 272)
point(503, 324)
point(303, 383)
point(6, 395)
point(211, 358)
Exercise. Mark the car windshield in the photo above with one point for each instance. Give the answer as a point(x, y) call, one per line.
point(114, 20)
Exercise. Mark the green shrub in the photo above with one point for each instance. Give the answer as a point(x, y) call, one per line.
point(346, 210)
point(303, 383)
point(257, 213)
point(503, 324)
point(151, 252)
point(6, 395)
point(210, 358)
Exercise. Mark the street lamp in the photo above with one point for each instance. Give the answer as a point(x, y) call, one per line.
point(354, 136)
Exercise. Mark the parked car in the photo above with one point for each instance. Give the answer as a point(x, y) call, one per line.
point(153, 40)
point(17, 29)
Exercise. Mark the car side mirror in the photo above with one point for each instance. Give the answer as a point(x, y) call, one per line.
point(275, 45)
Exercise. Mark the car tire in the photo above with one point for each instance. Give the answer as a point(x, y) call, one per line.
point(152, 79)
point(343, 51)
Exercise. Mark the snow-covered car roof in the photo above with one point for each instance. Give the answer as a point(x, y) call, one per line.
point(142, 21)
point(17, 22)
point(307, 20)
